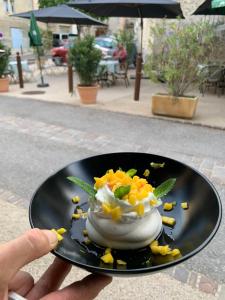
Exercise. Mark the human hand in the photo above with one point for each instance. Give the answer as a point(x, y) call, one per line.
point(34, 244)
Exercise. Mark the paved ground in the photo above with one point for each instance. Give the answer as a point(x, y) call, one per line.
point(38, 138)
point(118, 98)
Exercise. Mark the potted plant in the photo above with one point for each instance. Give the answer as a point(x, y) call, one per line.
point(177, 52)
point(86, 58)
point(4, 60)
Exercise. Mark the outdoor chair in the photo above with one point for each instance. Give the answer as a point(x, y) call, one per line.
point(212, 77)
point(122, 74)
point(103, 76)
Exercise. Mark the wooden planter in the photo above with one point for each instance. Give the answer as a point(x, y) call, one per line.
point(4, 85)
point(88, 94)
point(179, 107)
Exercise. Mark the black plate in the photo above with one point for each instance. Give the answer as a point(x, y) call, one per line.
point(51, 207)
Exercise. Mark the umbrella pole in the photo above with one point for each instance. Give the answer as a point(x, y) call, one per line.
point(42, 84)
point(138, 69)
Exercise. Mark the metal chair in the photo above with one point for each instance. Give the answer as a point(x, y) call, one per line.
point(212, 76)
point(122, 74)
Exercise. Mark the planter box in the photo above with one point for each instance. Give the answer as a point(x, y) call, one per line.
point(88, 94)
point(179, 107)
point(4, 85)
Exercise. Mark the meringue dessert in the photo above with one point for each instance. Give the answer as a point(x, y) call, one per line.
point(123, 210)
point(124, 214)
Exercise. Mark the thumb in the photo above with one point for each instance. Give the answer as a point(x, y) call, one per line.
point(19, 252)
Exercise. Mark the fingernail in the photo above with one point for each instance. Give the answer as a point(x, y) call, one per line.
point(52, 237)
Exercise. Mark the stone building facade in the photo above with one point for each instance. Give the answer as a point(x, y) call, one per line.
point(14, 31)
point(188, 7)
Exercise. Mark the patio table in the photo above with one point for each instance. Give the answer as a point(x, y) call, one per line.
point(111, 65)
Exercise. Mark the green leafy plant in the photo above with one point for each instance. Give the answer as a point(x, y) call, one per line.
point(177, 51)
point(85, 58)
point(164, 188)
point(4, 59)
point(126, 38)
point(83, 185)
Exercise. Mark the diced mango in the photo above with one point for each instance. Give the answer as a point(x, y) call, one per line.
point(184, 205)
point(106, 208)
point(153, 202)
point(76, 199)
point(140, 209)
point(59, 236)
point(61, 230)
point(168, 221)
point(154, 243)
point(168, 206)
point(107, 258)
point(121, 262)
point(175, 252)
point(107, 250)
point(116, 213)
point(76, 216)
point(146, 173)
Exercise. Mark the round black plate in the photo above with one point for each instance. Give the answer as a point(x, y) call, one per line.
point(51, 207)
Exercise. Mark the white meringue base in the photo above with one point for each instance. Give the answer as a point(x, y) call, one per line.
point(133, 234)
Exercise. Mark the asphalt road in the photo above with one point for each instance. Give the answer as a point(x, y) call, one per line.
point(38, 138)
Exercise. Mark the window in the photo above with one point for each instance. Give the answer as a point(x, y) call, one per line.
point(8, 6)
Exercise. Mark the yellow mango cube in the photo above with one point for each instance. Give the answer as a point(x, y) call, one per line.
point(106, 208)
point(175, 252)
point(76, 199)
point(153, 202)
point(121, 262)
point(146, 173)
point(140, 209)
point(168, 206)
point(184, 205)
point(61, 230)
point(107, 258)
point(116, 213)
point(168, 221)
point(76, 216)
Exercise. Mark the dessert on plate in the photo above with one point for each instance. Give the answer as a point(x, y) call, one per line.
point(123, 210)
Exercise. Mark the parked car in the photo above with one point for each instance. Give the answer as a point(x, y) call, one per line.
point(106, 44)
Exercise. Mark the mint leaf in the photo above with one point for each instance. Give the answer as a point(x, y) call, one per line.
point(83, 185)
point(164, 188)
point(131, 172)
point(122, 191)
point(157, 165)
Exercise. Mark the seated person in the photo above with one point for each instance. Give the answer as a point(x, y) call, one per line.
point(121, 54)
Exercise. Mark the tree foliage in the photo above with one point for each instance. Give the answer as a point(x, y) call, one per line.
point(48, 3)
point(178, 50)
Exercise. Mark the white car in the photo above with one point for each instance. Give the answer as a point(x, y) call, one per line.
point(107, 45)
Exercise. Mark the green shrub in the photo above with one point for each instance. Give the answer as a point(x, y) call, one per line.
point(4, 59)
point(177, 51)
point(85, 58)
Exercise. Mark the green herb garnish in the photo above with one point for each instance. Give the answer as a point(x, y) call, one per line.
point(164, 188)
point(131, 172)
point(83, 185)
point(122, 191)
point(157, 165)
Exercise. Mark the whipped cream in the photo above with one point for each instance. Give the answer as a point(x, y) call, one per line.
point(131, 231)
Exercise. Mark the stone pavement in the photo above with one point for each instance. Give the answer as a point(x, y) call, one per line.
point(118, 98)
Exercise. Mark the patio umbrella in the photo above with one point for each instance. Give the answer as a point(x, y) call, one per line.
point(211, 7)
point(62, 14)
point(131, 8)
